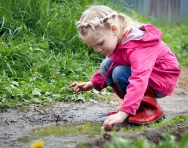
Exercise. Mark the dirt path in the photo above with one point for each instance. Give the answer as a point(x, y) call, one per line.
point(15, 123)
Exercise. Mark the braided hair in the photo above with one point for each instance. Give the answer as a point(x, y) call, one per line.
point(98, 16)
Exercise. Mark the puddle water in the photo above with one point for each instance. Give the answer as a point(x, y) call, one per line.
point(62, 136)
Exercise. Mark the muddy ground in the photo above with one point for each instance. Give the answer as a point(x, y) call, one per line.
point(154, 135)
point(15, 123)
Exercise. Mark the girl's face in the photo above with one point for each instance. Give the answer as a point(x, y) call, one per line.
point(103, 40)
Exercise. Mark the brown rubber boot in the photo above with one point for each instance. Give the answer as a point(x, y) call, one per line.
point(149, 110)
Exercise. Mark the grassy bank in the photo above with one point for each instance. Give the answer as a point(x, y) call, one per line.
point(168, 141)
point(41, 54)
point(167, 133)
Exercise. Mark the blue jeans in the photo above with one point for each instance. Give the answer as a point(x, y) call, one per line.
point(119, 76)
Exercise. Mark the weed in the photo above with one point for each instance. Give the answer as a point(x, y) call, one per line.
point(41, 55)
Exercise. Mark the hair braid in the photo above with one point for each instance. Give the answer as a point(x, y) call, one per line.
point(97, 16)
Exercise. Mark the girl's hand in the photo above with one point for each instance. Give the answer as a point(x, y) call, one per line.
point(84, 86)
point(114, 119)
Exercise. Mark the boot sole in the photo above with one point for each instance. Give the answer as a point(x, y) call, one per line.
point(156, 121)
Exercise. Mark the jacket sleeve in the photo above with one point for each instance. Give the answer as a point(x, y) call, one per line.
point(142, 62)
point(98, 81)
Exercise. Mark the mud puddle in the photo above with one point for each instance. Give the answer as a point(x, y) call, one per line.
point(60, 136)
point(19, 125)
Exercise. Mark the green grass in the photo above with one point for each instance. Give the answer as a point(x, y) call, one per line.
point(168, 141)
point(41, 54)
point(163, 123)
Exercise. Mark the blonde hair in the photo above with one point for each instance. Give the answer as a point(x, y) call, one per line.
point(98, 16)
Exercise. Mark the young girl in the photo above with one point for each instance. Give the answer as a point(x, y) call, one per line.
point(139, 66)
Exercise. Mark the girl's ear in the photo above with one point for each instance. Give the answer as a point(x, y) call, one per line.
point(113, 28)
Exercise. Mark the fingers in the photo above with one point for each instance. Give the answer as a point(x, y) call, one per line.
point(113, 120)
point(109, 123)
point(76, 90)
point(105, 124)
point(74, 84)
point(87, 85)
point(78, 87)
point(84, 86)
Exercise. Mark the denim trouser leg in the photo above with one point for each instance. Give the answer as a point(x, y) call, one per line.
point(105, 65)
point(159, 95)
point(119, 75)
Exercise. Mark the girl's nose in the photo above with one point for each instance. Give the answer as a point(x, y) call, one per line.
point(98, 49)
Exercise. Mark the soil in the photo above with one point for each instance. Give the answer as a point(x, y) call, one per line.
point(154, 135)
point(15, 123)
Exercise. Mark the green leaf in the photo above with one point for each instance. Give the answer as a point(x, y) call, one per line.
point(36, 92)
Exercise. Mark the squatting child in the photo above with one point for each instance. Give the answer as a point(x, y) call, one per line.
point(139, 66)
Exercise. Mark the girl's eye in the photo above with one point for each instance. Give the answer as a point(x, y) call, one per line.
point(101, 43)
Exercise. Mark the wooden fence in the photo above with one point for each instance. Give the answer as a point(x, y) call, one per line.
point(168, 9)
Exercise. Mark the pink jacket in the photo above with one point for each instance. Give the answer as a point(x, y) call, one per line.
point(152, 63)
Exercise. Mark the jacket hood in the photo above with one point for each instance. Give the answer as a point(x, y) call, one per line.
point(151, 37)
